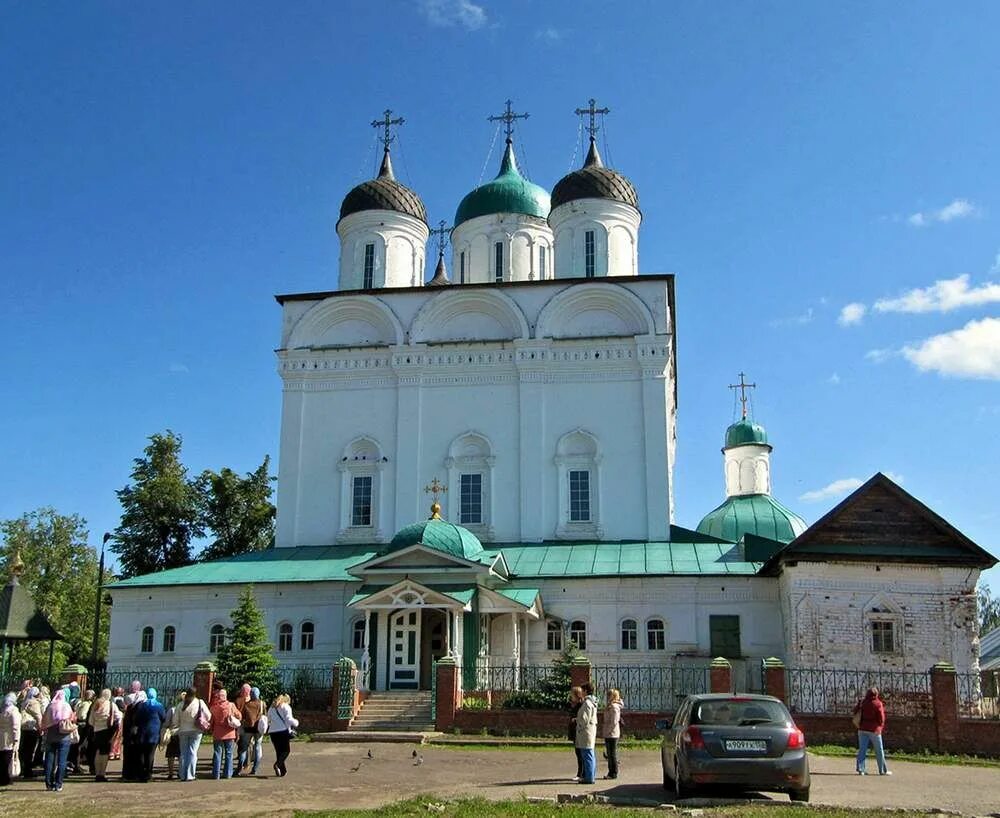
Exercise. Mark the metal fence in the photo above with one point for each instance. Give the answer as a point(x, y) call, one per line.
point(167, 681)
point(978, 694)
point(506, 678)
point(310, 686)
point(651, 689)
point(816, 690)
point(11, 682)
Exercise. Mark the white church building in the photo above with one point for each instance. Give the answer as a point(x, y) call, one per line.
point(482, 466)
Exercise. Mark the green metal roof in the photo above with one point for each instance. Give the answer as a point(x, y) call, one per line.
point(461, 593)
point(303, 564)
point(441, 536)
point(758, 514)
point(522, 596)
point(745, 433)
point(509, 192)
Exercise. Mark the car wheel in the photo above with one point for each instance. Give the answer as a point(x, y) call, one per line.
point(681, 790)
point(799, 795)
point(668, 782)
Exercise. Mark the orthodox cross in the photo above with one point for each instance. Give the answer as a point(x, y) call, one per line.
point(593, 111)
point(508, 117)
point(387, 122)
point(743, 386)
point(435, 488)
point(442, 236)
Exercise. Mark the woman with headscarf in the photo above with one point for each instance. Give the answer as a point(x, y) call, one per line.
point(10, 737)
point(148, 722)
point(78, 752)
point(191, 718)
point(44, 698)
point(105, 719)
point(118, 698)
point(31, 717)
point(242, 739)
point(169, 737)
point(251, 750)
point(225, 720)
point(58, 723)
point(130, 735)
point(280, 724)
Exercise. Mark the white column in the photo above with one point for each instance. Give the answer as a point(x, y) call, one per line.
point(366, 657)
point(536, 519)
point(516, 653)
point(656, 445)
point(447, 632)
point(408, 437)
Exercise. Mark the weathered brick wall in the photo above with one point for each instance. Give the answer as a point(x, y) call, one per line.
point(827, 611)
point(314, 721)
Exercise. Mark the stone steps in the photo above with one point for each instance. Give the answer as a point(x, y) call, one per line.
point(394, 711)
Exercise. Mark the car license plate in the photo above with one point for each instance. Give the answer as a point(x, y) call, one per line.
point(747, 746)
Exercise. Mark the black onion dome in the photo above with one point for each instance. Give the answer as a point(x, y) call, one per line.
point(383, 193)
point(594, 181)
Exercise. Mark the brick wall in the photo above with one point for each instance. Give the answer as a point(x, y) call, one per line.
point(544, 722)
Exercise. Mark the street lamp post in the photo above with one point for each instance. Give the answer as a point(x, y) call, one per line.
point(97, 606)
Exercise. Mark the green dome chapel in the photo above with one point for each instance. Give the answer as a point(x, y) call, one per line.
point(509, 192)
point(439, 535)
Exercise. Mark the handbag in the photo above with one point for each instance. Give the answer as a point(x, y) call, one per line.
point(67, 726)
point(233, 721)
point(15, 764)
point(204, 718)
point(856, 719)
point(290, 729)
point(262, 724)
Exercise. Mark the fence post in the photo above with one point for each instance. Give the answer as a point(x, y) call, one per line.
point(204, 676)
point(944, 696)
point(446, 693)
point(345, 676)
point(774, 678)
point(720, 675)
point(579, 672)
point(75, 673)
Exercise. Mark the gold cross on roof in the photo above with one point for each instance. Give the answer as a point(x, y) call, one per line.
point(435, 487)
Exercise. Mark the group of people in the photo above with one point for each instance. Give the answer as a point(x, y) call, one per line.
point(583, 731)
point(65, 732)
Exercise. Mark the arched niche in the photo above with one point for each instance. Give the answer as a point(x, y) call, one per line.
point(597, 310)
point(359, 320)
point(469, 315)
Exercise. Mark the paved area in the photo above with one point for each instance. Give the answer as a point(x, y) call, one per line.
point(330, 776)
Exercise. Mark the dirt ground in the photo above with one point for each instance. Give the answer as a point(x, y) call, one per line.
point(330, 776)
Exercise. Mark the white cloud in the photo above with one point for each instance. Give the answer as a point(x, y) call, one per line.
point(944, 295)
point(549, 35)
point(852, 314)
point(970, 352)
point(179, 368)
point(957, 209)
point(834, 379)
point(795, 320)
point(879, 356)
point(834, 489)
point(447, 13)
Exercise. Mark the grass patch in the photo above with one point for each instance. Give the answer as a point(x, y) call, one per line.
point(924, 757)
point(428, 807)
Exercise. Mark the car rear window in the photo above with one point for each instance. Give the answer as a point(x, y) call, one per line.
point(736, 712)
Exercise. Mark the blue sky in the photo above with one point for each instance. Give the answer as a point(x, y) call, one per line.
point(820, 177)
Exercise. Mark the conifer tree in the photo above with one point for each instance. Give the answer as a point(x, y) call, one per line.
point(247, 654)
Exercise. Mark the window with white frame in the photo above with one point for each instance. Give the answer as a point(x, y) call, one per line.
point(361, 465)
point(578, 633)
point(369, 269)
point(169, 639)
point(470, 511)
point(358, 635)
point(578, 460)
point(470, 472)
point(146, 643)
point(284, 637)
point(553, 636)
point(361, 500)
point(883, 636)
point(630, 635)
point(656, 635)
point(307, 636)
point(216, 638)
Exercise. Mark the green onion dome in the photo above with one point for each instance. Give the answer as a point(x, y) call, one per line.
point(746, 433)
point(758, 514)
point(441, 536)
point(384, 193)
point(510, 192)
point(594, 181)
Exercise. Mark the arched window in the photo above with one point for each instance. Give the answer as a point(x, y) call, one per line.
point(578, 633)
point(553, 636)
point(630, 634)
point(578, 460)
point(284, 637)
point(216, 638)
point(358, 635)
point(307, 635)
point(656, 635)
point(361, 467)
point(169, 638)
point(146, 645)
point(470, 470)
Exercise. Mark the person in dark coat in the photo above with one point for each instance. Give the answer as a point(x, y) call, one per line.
point(130, 735)
point(147, 724)
point(872, 719)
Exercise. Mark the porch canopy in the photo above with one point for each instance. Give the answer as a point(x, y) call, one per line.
point(20, 620)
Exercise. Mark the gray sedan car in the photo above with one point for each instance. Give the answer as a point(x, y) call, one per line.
point(740, 740)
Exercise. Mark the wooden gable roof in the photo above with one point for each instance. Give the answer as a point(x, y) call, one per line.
point(882, 522)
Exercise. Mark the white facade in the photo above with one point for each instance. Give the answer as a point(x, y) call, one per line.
point(747, 469)
point(381, 248)
point(595, 238)
point(539, 380)
point(521, 244)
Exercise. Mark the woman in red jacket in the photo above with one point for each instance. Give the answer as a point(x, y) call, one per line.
point(872, 720)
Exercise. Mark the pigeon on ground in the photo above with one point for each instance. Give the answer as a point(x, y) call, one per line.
point(371, 754)
point(415, 754)
point(419, 761)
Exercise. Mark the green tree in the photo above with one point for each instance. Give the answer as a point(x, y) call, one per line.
point(237, 510)
point(60, 572)
point(989, 609)
point(551, 692)
point(247, 654)
point(161, 511)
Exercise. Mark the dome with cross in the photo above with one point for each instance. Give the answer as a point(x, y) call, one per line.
point(384, 193)
point(509, 192)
